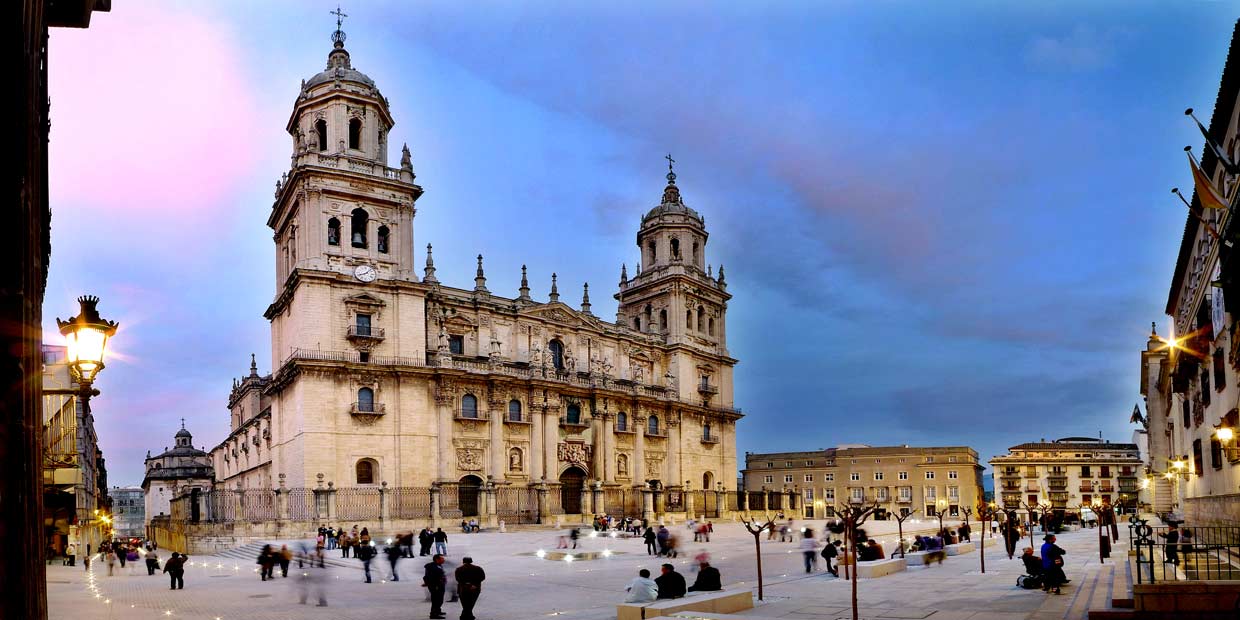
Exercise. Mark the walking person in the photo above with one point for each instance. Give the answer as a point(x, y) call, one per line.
point(663, 537)
point(425, 538)
point(469, 578)
point(441, 541)
point(110, 557)
point(1052, 565)
point(175, 568)
point(650, 537)
point(122, 554)
point(830, 552)
point(152, 562)
point(266, 563)
point(574, 536)
point(434, 581)
point(284, 558)
point(71, 554)
point(394, 554)
point(1170, 549)
point(365, 553)
point(809, 549)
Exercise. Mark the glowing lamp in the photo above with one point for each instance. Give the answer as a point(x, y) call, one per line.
point(1225, 434)
point(87, 337)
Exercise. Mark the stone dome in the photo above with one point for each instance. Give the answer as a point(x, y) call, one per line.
point(339, 67)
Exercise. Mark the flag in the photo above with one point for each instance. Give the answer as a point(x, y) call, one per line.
point(1218, 152)
point(1137, 418)
point(1206, 193)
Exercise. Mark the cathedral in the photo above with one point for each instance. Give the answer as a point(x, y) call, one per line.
point(385, 377)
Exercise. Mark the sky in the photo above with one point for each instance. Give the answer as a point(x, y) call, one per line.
point(943, 223)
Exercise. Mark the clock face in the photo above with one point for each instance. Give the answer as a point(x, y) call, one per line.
point(365, 273)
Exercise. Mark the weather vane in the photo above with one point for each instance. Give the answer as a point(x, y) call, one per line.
point(339, 16)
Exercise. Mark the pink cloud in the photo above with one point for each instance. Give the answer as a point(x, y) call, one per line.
point(150, 110)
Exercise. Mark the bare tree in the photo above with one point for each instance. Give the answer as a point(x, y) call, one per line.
point(900, 519)
point(853, 516)
point(757, 530)
point(985, 513)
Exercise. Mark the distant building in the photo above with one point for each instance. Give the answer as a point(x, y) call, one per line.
point(128, 512)
point(183, 469)
point(900, 478)
point(1068, 473)
point(74, 476)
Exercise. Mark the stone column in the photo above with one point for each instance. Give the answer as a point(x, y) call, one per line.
point(237, 503)
point(436, 520)
point(647, 504)
point(609, 448)
point(499, 452)
point(282, 500)
point(673, 448)
point(638, 466)
point(534, 458)
point(444, 399)
point(490, 516)
point(385, 504)
point(586, 496)
point(551, 444)
point(687, 500)
point(320, 500)
point(331, 501)
point(598, 506)
point(544, 510)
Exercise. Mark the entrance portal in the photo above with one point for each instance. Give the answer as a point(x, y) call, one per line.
point(468, 495)
point(572, 483)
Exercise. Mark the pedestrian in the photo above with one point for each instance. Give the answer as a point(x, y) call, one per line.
point(122, 554)
point(266, 563)
point(175, 568)
point(1186, 542)
point(650, 537)
point(1052, 565)
point(574, 535)
point(394, 554)
point(469, 578)
point(365, 553)
point(671, 583)
point(406, 544)
point(311, 583)
point(642, 589)
point(966, 532)
point(1170, 549)
point(809, 549)
point(830, 552)
point(131, 556)
point(110, 557)
point(152, 562)
point(284, 558)
point(345, 543)
point(441, 541)
point(434, 581)
point(708, 579)
point(425, 538)
point(663, 536)
point(71, 554)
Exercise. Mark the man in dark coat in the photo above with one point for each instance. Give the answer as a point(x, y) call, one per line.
point(1052, 565)
point(435, 580)
point(469, 579)
point(365, 553)
point(649, 537)
point(424, 541)
point(707, 580)
point(175, 567)
point(671, 583)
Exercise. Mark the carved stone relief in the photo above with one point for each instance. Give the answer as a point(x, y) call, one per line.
point(575, 453)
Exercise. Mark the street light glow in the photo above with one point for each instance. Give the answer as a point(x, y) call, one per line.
point(1225, 434)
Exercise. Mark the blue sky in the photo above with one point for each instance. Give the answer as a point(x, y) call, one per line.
point(943, 223)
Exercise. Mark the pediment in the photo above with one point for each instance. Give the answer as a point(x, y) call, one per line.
point(364, 300)
point(556, 312)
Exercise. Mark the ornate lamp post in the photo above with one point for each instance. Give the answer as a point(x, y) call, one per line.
point(87, 335)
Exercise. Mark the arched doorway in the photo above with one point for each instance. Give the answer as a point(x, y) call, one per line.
point(572, 483)
point(467, 494)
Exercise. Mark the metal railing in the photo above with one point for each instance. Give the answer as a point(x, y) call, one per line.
point(364, 332)
point(1185, 553)
point(358, 408)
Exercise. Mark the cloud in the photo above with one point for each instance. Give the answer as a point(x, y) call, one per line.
point(1084, 49)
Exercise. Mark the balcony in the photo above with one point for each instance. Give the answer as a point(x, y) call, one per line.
point(1032, 486)
point(368, 409)
point(707, 438)
point(902, 499)
point(364, 334)
point(1057, 482)
point(521, 420)
point(1106, 488)
point(661, 433)
point(577, 424)
point(1031, 473)
point(707, 389)
point(1087, 487)
point(470, 415)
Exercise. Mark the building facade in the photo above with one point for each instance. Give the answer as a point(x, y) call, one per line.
point(901, 479)
point(128, 512)
point(74, 473)
point(1066, 474)
point(388, 378)
point(180, 470)
point(1190, 378)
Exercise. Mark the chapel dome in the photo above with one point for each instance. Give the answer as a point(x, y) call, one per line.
point(339, 67)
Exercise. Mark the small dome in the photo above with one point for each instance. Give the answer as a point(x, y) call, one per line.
point(672, 204)
point(183, 433)
point(339, 67)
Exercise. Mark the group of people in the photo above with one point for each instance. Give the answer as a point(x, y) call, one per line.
point(269, 557)
point(660, 542)
point(468, 577)
point(671, 584)
point(1047, 569)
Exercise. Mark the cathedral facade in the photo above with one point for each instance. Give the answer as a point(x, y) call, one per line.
point(385, 377)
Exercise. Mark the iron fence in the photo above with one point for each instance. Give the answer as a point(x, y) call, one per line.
point(302, 505)
point(357, 504)
point(675, 501)
point(1166, 553)
point(516, 505)
point(757, 500)
point(258, 505)
point(775, 501)
point(450, 500)
point(410, 503)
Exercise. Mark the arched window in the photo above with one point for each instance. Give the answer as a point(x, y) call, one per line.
point(556, 349)
point(320, 132)
point(359, 221)
point(366, 471)
point(333, 231)
point(675, 248)
point(688, 319)
point(622, 421)
point(708, 481)
point(649, 316)
point(652, 425)
point(355, 133)
point(701, 319)
point(365, 399)
point(383, 239)
point(663, 319)
point(637, 323)
point(514, 410)
point(469, 406)
point(574, 414)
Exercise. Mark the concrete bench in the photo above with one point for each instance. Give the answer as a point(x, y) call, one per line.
point(960, 548)
point(880, 568)
point(723, 602)
point(924, 558)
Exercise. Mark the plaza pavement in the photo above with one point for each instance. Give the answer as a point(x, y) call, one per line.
point(521, 586)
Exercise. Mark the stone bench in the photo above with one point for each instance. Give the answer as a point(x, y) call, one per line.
point(880, 568)
point(924, 558)
point(959, 548)
point(723, 602)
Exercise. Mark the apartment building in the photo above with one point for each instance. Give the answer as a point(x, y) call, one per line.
point(1068, 473)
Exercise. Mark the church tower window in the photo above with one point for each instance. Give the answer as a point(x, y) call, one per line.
point(710, 327)
point(333, 231)
point(320, 132)
point(456, 345)
point(469, 406)
point(355, 134)
point(637, 323)
point(514, 410)
point(365, 471)
point(384, 236)
point(366, 399)
point(556, 349)
point(654, 254)
point(688, 319)
point(622, 421)
point(574, 414)
point(359, 222)
point(675, 248)
point(701, 318)
point(663, 320)
point(652, 425)
point(697, 259)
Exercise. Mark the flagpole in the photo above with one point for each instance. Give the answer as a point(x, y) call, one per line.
point(1228, 165)
point(1209, 226)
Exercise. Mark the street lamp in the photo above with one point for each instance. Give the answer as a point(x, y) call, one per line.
point(87, 335)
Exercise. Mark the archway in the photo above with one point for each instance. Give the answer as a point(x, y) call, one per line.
point(467, 495)
point(572, 483)
point(708, 481)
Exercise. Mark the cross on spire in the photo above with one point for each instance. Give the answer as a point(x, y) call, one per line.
point(671, 174)
point(182, 423)
point(338, 36)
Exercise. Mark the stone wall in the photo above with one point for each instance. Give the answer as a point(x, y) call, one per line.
point(1220, 510)
point(1197, 600)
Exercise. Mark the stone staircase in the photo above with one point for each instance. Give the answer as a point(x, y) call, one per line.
point(1112, 592)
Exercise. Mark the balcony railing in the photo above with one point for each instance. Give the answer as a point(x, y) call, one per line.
point(1087, 488)
point(656, 432)
point(365, 332)
point(1032, 486)
point(706, 388)
point(470, 414)
point(710, 438)
point(368, 409)
point(508, 419)
point(578, 423)
point(903, 499)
